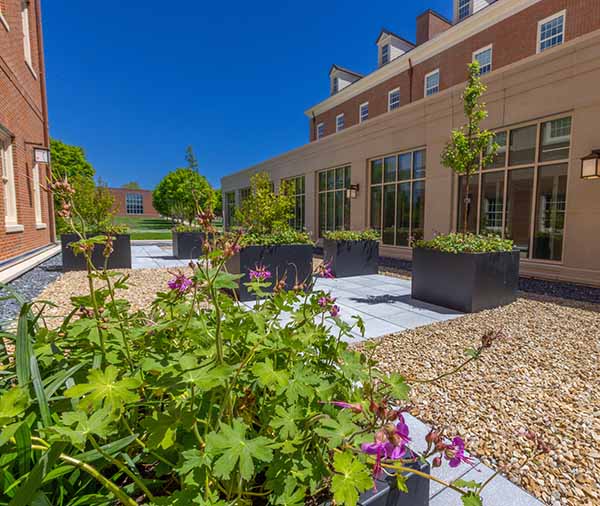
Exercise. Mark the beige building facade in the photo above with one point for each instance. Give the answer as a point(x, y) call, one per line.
point(545, 109)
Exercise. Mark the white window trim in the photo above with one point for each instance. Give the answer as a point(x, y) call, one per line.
point(562, 13)
point(381, 62)
point(26, 33)
point(37, 197)
point(360, 120)
point(436, 71)
point(482, 50)
point(458, 18)
point(3, 22)
point(337, 129)
point(9, 191)
point(317, 136)
point(389, 97)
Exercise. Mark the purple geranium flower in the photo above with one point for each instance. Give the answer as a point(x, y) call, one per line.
point(455, 453)
point(260, 273)
point(180, 283)
point(356, 407)
point(334, 311)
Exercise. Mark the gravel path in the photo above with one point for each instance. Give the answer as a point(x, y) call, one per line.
point(545, 377)
point(30, 285)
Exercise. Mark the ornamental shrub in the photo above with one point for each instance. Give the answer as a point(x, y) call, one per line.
point(352, 235)
point(467, 243)
point(199, 400)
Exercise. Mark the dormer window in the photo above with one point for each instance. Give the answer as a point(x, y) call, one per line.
point(340, 78)
point(336, 85)
point(385, 54)
point(464, 9)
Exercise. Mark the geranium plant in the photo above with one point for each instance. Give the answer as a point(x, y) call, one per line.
point(352, 235)
point(198, 400)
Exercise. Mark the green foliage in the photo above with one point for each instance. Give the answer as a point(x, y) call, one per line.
point(191, 159)
point(470, 145)
point(351, 477)
point(263, 212)
point(218, 208)
point(467, 243)
point(132, 185)
point(182, 227)
point(283, 236)
point(352, 235)
point(181, 194)
point(69, 161)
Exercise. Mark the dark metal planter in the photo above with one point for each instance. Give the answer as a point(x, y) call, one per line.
point(187, 245)
point(351, 258)
point(467, 282)
point(294, 261)
point(119, 259)
point(387, 493)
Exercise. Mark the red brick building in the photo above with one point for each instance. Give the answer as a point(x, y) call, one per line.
point(133, 203)
point(26, 211)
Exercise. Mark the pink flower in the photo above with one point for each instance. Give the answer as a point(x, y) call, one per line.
point(455, 453)
point(389, 444)
point(260, 273)
point(180, 283)
point(334, 311)
point(356, 407)
point(325, 301)
point(324, 271)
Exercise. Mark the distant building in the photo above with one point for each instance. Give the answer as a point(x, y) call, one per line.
point(375, 143)
point(26, 209)
point(133, 203)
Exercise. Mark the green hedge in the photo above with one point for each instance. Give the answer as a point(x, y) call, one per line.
point(467, 243)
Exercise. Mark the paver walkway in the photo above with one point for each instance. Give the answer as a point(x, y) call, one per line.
point(153, 256)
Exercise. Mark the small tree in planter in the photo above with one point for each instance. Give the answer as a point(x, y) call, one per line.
point(351, 253)
point(269, 240)
point(464, 271)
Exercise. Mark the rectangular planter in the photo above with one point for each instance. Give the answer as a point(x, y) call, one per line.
point(119, 259)
point(466, 282)
point(387, 493)
point(292, 260)
point(351, 258)
point(187, 245)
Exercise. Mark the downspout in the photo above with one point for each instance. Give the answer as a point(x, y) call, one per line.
point(410, 81)
point(44, 99)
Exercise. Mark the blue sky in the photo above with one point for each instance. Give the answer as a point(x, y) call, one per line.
point(136, 82)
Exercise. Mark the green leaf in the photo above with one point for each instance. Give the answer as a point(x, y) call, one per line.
point(471, 499)
point(232, 449)
point(13, 403)
point(399, 388)
point(336, 430)
point(78, 426)
point(285, 422)
point(351, 479)
point(467, 484)
point(23, 347)
point(401, 483)
point(268, 376)
point(104, 389)
point(26, 493)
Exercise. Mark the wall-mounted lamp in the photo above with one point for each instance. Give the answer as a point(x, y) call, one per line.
point(41, 155)
point(352, 191)
point(590, 165)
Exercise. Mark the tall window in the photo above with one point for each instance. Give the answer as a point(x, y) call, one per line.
point(464, 9)
point(397, 201)
point(551, 31)
point(394, 99)
point(340, 122)
point(297, 188)
point(134, 203)
point(244, 194)
point(8, 180)
point(320, 130)
point(364, 112)
point(522, 194)
point(229, 211)
point(385, 54)
point(334, 204)
point(432, 83)
point(37, 199)
point(336, 85)
point(26, 33)
point(484, 57)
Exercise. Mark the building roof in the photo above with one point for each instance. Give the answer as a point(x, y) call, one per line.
point(342, 69)
point(385, 31)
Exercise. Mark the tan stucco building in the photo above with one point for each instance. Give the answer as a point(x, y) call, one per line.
point(543, 79)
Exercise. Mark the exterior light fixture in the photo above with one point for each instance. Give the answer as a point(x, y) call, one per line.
point(352, 191)
point(590, 165)
point(41, 155)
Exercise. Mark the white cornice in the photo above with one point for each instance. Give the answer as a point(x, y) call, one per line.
point(483, 19)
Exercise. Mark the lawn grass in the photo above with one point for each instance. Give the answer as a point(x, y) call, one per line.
point(146, 228)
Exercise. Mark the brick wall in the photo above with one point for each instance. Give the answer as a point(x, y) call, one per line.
point(23, 114)
point(120, 208)
point(513, 39)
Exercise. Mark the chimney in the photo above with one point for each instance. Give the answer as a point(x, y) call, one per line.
point(429, 25)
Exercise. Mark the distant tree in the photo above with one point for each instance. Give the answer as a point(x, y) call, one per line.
point(69, 161)
point(181, 193)
point(132, 185)
point(191, 159)
point(218, 208)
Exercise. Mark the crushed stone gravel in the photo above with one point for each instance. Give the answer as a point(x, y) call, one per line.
point(544, 377)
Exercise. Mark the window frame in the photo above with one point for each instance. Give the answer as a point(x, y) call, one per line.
point(490, 48)
point(337, 123)
point(549, 19)
point(229, 207)
point(26, 27)
point(387, 59)
point(458, 10)
point(506, 169)
point(296, 222)
point(426, 88)
point(37, 196)
point(382, 184)
point(319, 135)
point(390, 108)
point(9, 184)
point(346, 220)
point(134, 203)
point(360, 112)
point(335, 85)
